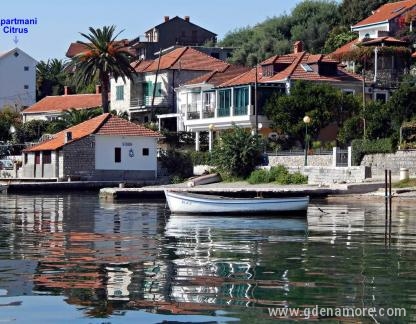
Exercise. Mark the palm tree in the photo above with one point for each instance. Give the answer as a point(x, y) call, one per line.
point(103, 57)
point(50, 78)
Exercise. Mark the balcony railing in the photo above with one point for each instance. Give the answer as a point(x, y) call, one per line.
point(193, 115)
point(147, 101)
point(240, 111)
point(224, 112)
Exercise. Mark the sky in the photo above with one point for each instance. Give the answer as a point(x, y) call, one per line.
point(59, 22)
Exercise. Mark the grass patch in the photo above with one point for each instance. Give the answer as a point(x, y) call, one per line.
point(405, 183)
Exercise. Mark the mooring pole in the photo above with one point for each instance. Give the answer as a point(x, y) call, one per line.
point(386, 207)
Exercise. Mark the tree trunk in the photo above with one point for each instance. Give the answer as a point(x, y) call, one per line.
point(105, 82)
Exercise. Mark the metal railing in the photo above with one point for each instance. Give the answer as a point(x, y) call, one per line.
point(147, 101)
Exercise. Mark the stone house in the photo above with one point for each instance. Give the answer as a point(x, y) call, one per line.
point(103, 148)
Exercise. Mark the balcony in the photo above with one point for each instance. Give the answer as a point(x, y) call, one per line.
point(224, 112)
point(240, 111)
point(147, 102)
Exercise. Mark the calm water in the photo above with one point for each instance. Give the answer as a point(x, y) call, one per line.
point(74, 258)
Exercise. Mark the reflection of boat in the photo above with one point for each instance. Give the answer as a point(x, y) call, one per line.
point(191, 203)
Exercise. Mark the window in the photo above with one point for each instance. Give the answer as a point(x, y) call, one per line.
point(25, 158)
point(120, 92)
point(145, 151)
point(224, 102)
point(26, 86)
point(26, 68)
point(117, 154)
point(47, 157)
point(348, 91)
point(37, 157)
point(240, 101)
point(306, 67)
point(380, 96)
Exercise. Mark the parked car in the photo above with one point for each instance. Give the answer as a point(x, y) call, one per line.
point(6, 165)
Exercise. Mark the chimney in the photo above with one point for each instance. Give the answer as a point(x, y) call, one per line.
point(297, 47)
point(166, 18)
point(67, 91)
point(186, 18)
point(68, 137)
point(97, 89)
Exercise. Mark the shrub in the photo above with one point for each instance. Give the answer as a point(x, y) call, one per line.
point(278, 173)
point(298, 178)
point(363, 147)
point(177, 163)
point(200, 158)
point(259, 176)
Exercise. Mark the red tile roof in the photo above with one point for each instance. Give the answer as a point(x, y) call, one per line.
point(345, 48)
point(60, 103)
point(295, 71)
point(187, 58)
point(387, 40)
point(105, 124)
point(216, 78)
point(387, 12)
point(140, 66)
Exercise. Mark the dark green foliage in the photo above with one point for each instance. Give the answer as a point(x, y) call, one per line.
point(259, 176)
point(363, 147)
point(310, 22)
point(278, 174)
point(104, 56)
point(177, 163)
point(237, 152)
point(353, 11)
point(72, 117)
point(338, 37)
point(201, 158)
point(51, 77)
point(321, 102)
point(31, 131)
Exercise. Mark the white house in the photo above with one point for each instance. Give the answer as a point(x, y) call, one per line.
point(103, 148)
point(153, 88)
point(17, 79)
point(387, 19)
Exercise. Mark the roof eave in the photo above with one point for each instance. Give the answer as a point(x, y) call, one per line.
point(353, 28)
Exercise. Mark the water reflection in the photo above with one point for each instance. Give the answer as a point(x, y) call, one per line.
point(111, 259)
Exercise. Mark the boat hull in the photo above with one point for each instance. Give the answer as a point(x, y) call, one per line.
point(189, 203)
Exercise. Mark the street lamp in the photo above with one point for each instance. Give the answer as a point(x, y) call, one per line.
point(306, 120)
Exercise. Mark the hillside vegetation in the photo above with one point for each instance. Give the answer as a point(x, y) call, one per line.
point(321, 25)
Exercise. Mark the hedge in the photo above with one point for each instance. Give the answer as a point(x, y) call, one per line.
point(363, 147)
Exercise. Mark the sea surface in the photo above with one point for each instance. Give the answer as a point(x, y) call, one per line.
point(74, 258)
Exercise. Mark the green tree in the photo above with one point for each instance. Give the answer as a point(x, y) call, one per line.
point(51, 78)
point(353, 11)
point(31, 131)
point(323, 103)
point(104, 56)
point(338, 36)
point(237, 152)
point(72, 117)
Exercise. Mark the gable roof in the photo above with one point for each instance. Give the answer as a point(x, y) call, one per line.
point(16, 49)
point(105, 124)
point(386, 13)
point(295, 70)
point(186, 58)
point(57, 104)
point(216, 77)
point(192, 25)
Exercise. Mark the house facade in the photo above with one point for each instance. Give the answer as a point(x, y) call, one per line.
point(18, 91)
point(52, 107)
point(152, 92)
point(387, 20)
point(215, 102)
point(105, 148)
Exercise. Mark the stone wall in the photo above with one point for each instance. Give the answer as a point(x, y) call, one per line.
point(299, 160)
point(79, 159)
point(392, 161)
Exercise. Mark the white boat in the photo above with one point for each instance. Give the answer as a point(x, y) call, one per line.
point(192, 203)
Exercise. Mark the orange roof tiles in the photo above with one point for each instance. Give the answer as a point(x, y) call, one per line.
point(61, 103)
point(387, 12)
point(187, 58)
point(294, 71)
point(216, 78)
point(105, 124)
point(345, 48)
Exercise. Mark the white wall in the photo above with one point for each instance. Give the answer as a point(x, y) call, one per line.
point(13, 79)
point(104, 153)
point(120, 105)
point(372, 31)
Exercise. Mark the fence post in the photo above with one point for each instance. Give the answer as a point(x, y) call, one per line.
point(334, 156)
point(349, 156)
